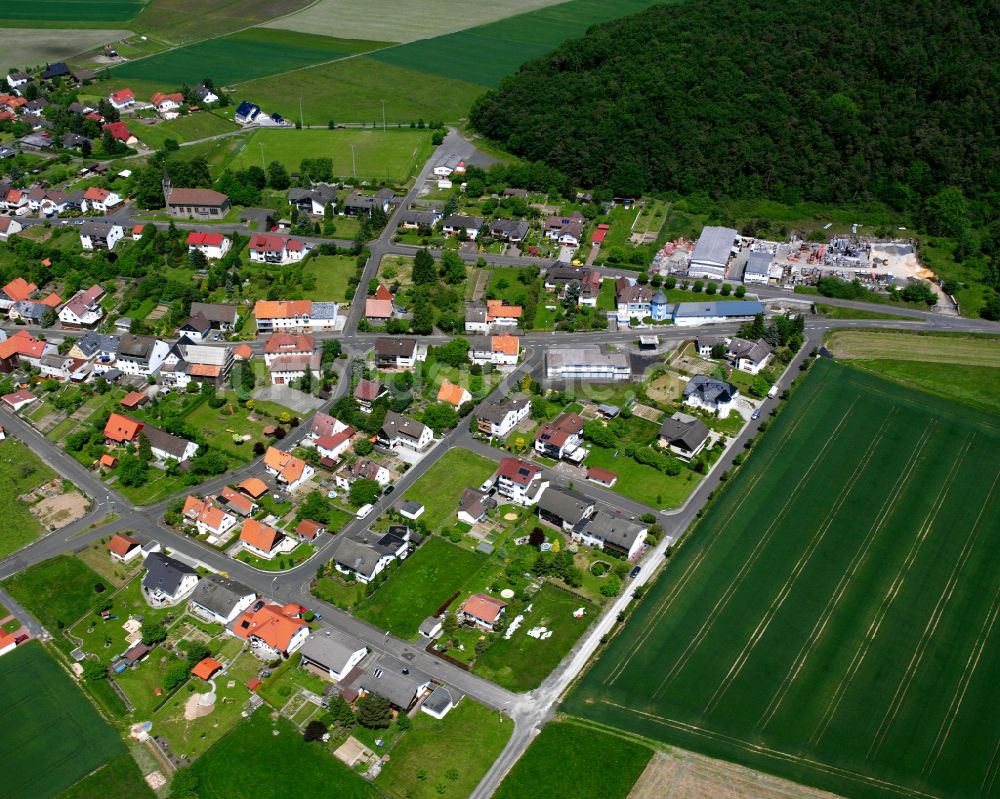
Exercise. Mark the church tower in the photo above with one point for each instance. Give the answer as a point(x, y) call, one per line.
point(166, 186)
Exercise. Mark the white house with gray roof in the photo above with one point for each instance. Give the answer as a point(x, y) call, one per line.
point(710, 394)
point(221, 600)
point(333, 652)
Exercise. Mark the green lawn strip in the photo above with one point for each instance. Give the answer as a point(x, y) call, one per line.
point(839, 312)
point(119, 778)
point(235, 769)
point(61, 430)
point(50, 734)
point(721, 651)
point(337, 592)
point(644, 483)
point(505, 284)
point(468, 739)
point(352, 90)
point(521, 662)
point(20, 471)
point(57, 591)
point(440, 489)
point(421, 584)
point(299, 555)
point(569, 759)
point(198, 125)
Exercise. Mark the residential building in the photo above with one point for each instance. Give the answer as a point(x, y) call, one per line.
point(324, 425)
point(273, 631)
point(683, 435)
point(235, 502)
point(565, 509)
point(166, 446)
point(480, 318)
point(205, 95)
point(18, 399)
point(220, 599)
point(368, 392)
point(17, 290)
point(221, 316)
point(402, 431)
point(414, 220)
point(587, 364)
point(194, 203)
point(83, 309)
point(121, 429)
point(498, 419)
point(713, 395)
point(474, 506)
point(268, 248)
point(48, 202)
point(603, 477)
point(561, 438)
point(378, 312)
point(659, 308)
point(358, 204)
point(758, 268)
point(167, 581)
point(246, 113)
point(292, 472)
point(208, 518)
point(166, 103)
point(23, 347)
point(297, 316)
point(615, 533)
point(212, 245)
point(689, 314)
point(456, 224)
point(705, 344)
point(362, 469)
point(333, 652)
point(93, 346)
point(502, 350)
point(557, 226)
point(453, 394)
point(309, 530)
point(100, 199)
point(121, 99)
point(187, 362)
point(520, 481)
point(97, 234)
point(290, 356)
point(140, 355)
point(394, 679)
point(265, 541)
point(9, 227)
point(411, 510)
point(512, 231)
point(712, 252)
point(124, 548)
point(313, 201)
point(748, 356)
point(366, 555)
point(483, 611)
point(633, 301)
point(331, 447)
point(399, 353)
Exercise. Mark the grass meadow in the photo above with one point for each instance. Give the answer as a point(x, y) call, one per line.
point(200, 125)
point(829, 620)
point(570, 759)
point(50, 735)
point(59, 590)
point(179, 21)
point(20, 471)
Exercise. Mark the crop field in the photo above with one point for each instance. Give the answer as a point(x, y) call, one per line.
point(25, 48)
point(487, 53)
point(61, 13)
point(401, 20)
point(178, 21)
point(241, 56)
point(50, 735)
point(831, 619)
point(390, 156)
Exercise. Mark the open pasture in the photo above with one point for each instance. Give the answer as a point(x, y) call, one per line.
point(391, 156)
point(832, 617)
point(50, 735)
point(241, 56)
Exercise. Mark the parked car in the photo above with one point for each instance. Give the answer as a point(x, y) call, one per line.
point(755, 415)
point(389, 489)
point(635, 572)
point(364, 511)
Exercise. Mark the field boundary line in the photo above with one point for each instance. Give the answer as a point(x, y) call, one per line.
point(779, 600)
point(777, 754)
point(991, 768)
point(751, 561)
point(860, 556)
point(931, 627)
point(667, 601)
point(890, 597)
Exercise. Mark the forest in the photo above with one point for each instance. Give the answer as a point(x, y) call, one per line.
point(806, 100)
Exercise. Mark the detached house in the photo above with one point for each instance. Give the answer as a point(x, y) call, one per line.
point(367, 393)
point(220, 600)
point(313, 201)
point(495, 313)
point(124, 548)
point(331, 447)
point(714, 395)
point(683, 435)
point(334, 652)
point(121, 99)
point(614, 533)
point(561, 438)
point(99, 235)
point(83, 309)
point(456, 224)
point(362, 469)
point(297, 316)
point(289, 357)
point(195, 203)
point(264, 541)
point(120, 132)
point(500, 350)
point(187, 362)
point(402, 431)
point(212, 245)
point(520, 481)
point(266, 248)
point(367, 555)
point(633, 301)
point(166, 103)
point(498, 419)
point(398, 353)
point(121, 429)
point(100, 200)
point(748, 356)
point(166, 446)
point(9, 227)
point(357, 204)
point(564, 509)
point(208, 518)
point(140, 355)
point(272, 630)
point(292, 472)
point(23, 347)
point(512, 231)
point(453, 394)
point(483, 611)
point(167, 581)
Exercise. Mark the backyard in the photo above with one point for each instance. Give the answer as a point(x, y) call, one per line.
point(440, 489)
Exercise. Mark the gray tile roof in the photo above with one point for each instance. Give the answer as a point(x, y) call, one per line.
point(220, 594)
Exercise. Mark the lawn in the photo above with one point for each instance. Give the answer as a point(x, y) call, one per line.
point(978, 386)
point(297, 556)
point(352, 90)
point(248, 54)
point(200, 125)
point(521, 662)
point(468, 739)
point(57, 591)
point(332, 273)
point(336, 592)
point(829, 619)
point(51, 736)
point(20, 471)
point(216, 424)
point(569, 759)
point(506, 285)
point(904, 346)
point(840, 312)
point(440, 489)
point(644, 483)
point(391, 156)
point(234, 769)
point(419, 586)
point(121, 777)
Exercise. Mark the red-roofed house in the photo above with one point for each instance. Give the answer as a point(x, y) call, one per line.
point(19, 289)
point(333, 446)
point(100, 199)
point(291, 471)
point(107, 461)
point(121, 429)
point(289, 356)
point(598, 236)
point(134, 399)
point(483, 610)
point(165, 103)
point(272, 630)
point(24, 347)
point(244, 352)
point(137, 232)
point(378, 311)
point(83, 309)
point(208, 518)
point(120, 132)
point(383, 293)
point(264, 541)
point(308, 529)
point(266, 248)
point(212, 245)
point(204, 669)
point(121, 99)
point(8, 641)
point(453, 394)
point(234, 501)
point(602, 477)
point(561, 438)
point(520, 481)
point(9, 227)
point(367, 392)
point(123, 548)
point(18, 399)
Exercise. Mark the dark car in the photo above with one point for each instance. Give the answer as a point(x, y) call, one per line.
point(635, 572)
point(389, 489)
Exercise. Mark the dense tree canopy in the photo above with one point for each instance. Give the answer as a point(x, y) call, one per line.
point(806, 100)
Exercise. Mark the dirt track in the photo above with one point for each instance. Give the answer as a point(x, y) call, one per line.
point(686, 775)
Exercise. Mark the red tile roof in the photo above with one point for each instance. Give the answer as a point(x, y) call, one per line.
point(308, 529)
point(206, 668)
point(19, 289)
point(484, 607)
point(198, 238)
point(518, 471)
point(271, 625)
point(121, 428)
point(259, 535)
point(122, 96)
point(119, 131)
point(121, 545)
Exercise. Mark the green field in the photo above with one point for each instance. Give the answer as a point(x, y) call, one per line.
point(487, 53)
point(252, 762)
point(183, 129)
point(440, 489)
point(54, 591)
point(240, 56)
point(830, 618)
point(391, 156)
point(64, 13)
point(20, 471)
point(468, 739)
point(841, 312)
point(120, 777)
point(332, 274)
point(177, 21)
point(421, 584)
point(50, 735)
point(568, 759)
